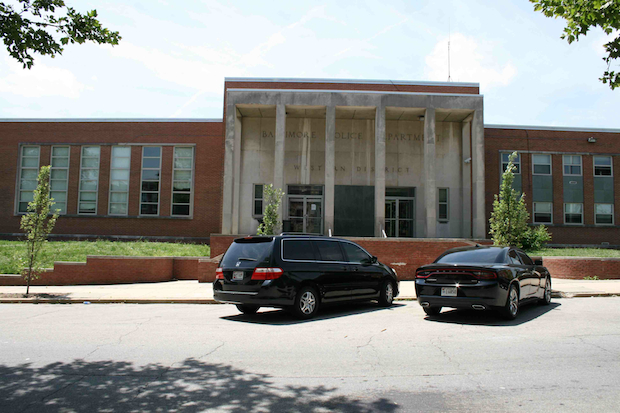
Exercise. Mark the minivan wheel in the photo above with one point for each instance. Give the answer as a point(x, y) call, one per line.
point(247, 309)
point(306, 303)
point(387, 294)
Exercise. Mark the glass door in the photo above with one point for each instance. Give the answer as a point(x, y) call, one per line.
point(305, 214)
point(399, 216)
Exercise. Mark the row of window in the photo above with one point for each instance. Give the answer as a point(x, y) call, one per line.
point(573, 213)
point(541, 164)
point(120, 165)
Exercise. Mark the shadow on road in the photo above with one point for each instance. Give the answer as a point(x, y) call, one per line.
point(283, 317)
point(492, 318)
point(189, 386)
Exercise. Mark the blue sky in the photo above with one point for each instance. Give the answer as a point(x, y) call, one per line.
point(174, 56)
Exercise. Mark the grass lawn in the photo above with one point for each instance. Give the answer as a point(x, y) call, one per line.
point(576, 252)
point(10, 251)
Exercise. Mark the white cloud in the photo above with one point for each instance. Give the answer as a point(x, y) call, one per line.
point(471, 60)
point(39, 81)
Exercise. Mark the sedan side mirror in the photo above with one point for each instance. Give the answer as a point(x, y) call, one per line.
point(538, 261)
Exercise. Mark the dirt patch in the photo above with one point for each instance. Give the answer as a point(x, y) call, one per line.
point(33, 295)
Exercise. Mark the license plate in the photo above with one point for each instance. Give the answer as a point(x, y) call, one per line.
point(448, 291)
point(237, 275)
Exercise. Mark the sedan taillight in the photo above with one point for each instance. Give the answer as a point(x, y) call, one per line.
point(219, 274)
point(423, 274)
point(267, 273)
point(485, 275)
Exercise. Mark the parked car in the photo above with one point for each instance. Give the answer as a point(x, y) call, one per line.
point(301, 273)
point(482, 278)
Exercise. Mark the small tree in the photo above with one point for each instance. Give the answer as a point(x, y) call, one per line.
point(508, 223)
point(271, 218)
point(38, 224)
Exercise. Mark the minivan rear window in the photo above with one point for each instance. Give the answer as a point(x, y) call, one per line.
point(297, 249)
point(248, 253)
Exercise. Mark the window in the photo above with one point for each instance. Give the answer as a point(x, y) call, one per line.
point(573, 213)
point(59, 177)
point(89, 180)
point(151, 171)
point(300, 250)
point(329, 250)
point(525, 259)
point(541, 164)
point(354, 253)
point(604, 214)
point(602, 166)
point(182, 170)
point(572, 164)
point(543, 212)
point(516, 162)
point(442, 204)
point(28, 175)
point(119, 180)
point(258, 200)
point(513, 258)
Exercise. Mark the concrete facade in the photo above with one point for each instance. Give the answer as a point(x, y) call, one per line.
point(372, 138)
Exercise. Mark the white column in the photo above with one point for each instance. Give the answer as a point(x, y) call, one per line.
point(278, 165)
point(466, 177)
point(430, 185)
point(477, 164)
point(237, 176)
point(379, 170)
point(229, 149)
point(330, 165)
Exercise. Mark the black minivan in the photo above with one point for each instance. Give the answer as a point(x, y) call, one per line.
point(300, 272)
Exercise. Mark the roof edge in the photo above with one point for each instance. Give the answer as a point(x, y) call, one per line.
point(358, 81)
point(119, 120)
point(552, 128)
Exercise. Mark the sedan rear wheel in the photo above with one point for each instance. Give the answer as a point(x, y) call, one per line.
point(247, 309)
point(546, 300)
point(306, 303)
point(511, 309)
point(432, 310)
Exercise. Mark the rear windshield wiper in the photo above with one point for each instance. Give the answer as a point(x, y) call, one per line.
point(246, 259)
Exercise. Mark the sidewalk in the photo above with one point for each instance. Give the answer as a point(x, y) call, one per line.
point(193, 292)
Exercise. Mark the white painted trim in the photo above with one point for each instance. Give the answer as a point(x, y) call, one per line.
point(19, 175)
point(564, 164)
point(67, 169)
point(550, 164)
point(612, 214)
point(161, 155)
point(110, 182)
point(191, 189)
point(534, 213)
point(611, 166)
point(551, 128)
point(347, 81)
point(80, 180)
point(582, 214)
point(447, 219)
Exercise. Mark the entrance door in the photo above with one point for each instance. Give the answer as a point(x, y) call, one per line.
point(399, 216)
point(306, 214)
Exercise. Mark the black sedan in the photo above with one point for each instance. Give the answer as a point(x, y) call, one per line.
point(482, 278)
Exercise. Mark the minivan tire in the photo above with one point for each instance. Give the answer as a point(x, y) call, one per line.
point(306, 303)
point(386, 298)
point(247, 309)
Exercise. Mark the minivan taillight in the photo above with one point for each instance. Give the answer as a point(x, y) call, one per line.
point(267, 273)
point(219, 274)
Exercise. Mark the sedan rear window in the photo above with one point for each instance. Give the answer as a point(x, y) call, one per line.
point(247, 253)
point(478, 256)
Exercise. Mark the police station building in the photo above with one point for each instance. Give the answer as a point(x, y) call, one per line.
point(353, 158)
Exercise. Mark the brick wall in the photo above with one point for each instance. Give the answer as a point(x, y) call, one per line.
point(209, 153)
point(576, 142)
point(576, 268)
point(123, 270)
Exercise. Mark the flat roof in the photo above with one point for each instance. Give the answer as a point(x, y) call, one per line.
point(551, 128)
point(359, 92)
point(359, 81)
point(143, 120)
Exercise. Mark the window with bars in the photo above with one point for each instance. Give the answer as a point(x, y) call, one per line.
point(442, 204)
point(59, 177)
point(516, 162)
point(541, 164)
point(120, 165)
point(602, 166)
point(604, 214)
point(28, 174)
point(182, 170)
point(573, 213)
point(543, 212)
point(572, 165)
point(89, 180)
point(149, 187)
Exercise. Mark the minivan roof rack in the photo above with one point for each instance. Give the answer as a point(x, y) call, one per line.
point(302, 234)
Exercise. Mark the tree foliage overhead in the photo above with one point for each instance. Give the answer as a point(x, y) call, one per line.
point(46, 26)
point(580, 16)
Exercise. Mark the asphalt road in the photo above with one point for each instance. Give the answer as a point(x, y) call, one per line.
point(362, 358)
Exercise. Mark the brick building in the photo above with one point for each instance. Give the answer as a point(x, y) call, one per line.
point(354, 158)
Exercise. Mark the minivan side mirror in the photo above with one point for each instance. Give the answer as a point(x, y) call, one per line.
point(369, 260)
point(373, 260)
